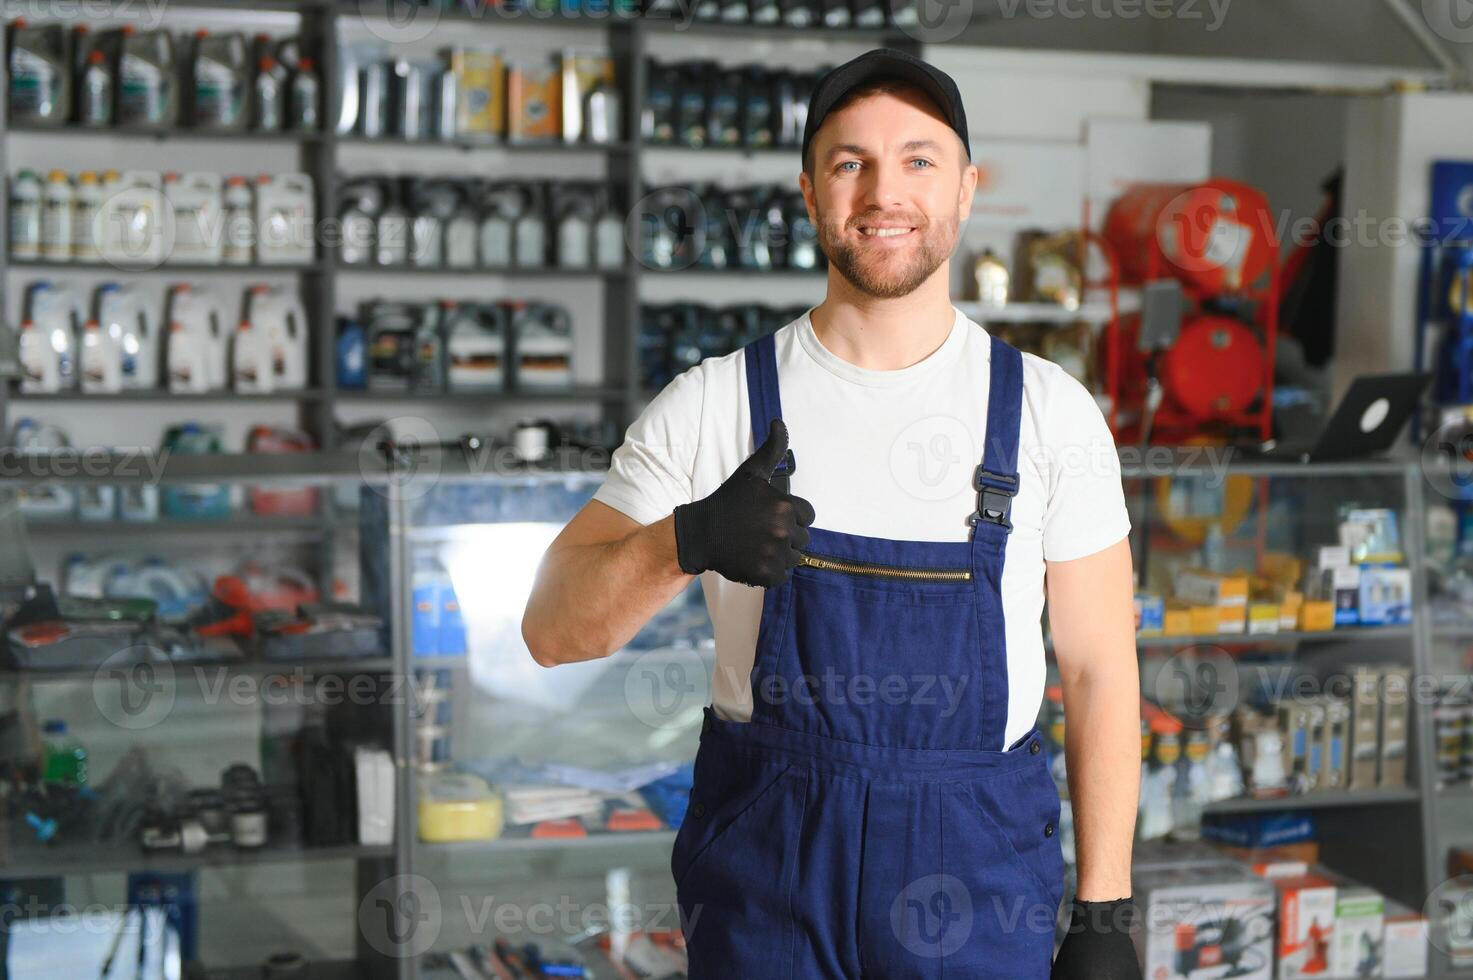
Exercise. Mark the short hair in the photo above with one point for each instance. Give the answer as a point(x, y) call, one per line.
point(881, 86)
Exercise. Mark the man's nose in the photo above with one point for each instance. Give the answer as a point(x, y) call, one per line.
point(883, 185)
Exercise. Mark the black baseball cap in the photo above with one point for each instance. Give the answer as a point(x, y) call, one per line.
point(886, 63)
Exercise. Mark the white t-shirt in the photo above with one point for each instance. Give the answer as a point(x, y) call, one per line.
point(886, 454)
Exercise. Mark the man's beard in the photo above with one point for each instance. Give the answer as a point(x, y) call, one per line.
point(884, 276)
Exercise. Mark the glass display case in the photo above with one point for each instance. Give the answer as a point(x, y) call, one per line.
point(547, 800)
point(197, 717)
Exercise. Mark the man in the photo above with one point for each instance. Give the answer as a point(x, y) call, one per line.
point(870, 797)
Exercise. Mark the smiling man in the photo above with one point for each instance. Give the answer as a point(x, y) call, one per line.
point(871, 798)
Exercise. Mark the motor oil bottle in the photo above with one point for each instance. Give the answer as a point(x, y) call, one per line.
point(306, 97)
point(131, 224)
point(608, 234)
point(84, 216)
point(251, 370)
point(543, 335)
point(40, 366)
point(197, 353)
point(278, 315)
point(54, 311)
point(431, 202)
point(147, 94)
point(240, 222)
point(101, 364)
point(56, 217)
point(391, 233)
point(496, 228)
point(48, 498)
point(803, 250)
point(124, 318)
point(270, 96)
point(475, 346)
point(96, 105)
point(575, 230)
point(392, 329)
point(460, 233)
point(351, 355)
point(219, 83)
point(40, 74)
point(429, 350)
point(196, 202)
point(26, 194)
point(360, 202)
point(529, 232)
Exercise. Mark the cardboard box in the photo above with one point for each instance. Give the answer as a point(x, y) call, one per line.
point(1331, 556)
point(1395, 692)
point(1177, 621)
point(480, 80)
point(1359, 932)
point(1335, 767)
point(1183, 912)
point(1405, 936)
point(1289, 606)
point(1263, 618)
point(1342, 587)
point(1365, 727)
point(533, 102)
point(1304, 853)
point(1385, 596)
point(1294, 727)
point(1204, 588)
point(1314, 744)
point(1232, 619)
point(1150, 615)
point(1206, 620)
point(1306, 926)
point(1317, 616)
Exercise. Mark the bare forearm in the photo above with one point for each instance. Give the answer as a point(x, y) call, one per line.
point(591, 599)
point(1103, 750)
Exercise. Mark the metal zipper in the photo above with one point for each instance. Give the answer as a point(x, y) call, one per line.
point(886, 571)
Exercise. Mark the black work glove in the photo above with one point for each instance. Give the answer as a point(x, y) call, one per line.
point(1098, 945)
point(746, 530)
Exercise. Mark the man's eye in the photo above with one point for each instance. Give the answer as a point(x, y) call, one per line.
point(923, 160)
point(847, 163)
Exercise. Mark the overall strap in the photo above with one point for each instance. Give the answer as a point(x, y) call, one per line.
point(763, 400)
point(996, 479)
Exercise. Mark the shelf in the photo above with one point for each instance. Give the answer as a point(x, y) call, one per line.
point(584, 393)
point(242, 668)
point(30, 860)
point(161, 135)
point(160, 268)
point(650, 838)
point(1291, 636)
point(469, 145)
point(244, 524)
point(481, 272)
point(317, 970)
point(163, 395)
point(673, 25)
point(814, 274)
point(1036, 313)
point(1316, 801)
point(746, 151)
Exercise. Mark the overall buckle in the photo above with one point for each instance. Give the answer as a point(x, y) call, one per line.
point(785, 469)
point(995, 493)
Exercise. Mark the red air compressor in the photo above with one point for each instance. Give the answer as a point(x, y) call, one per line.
point(1217, 239)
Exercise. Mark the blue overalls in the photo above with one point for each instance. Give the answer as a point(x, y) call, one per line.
point(867, 821)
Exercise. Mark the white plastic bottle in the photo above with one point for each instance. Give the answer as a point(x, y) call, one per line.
point(56, 218)
point(125, 319)
point(39, 362)
point(250, 355)
point(278, 315)
point(202, 315)
point(240, 222)
point(188, 364)
point(84, 216)
point(25, 215)
point(102, 368)
point(53, 309)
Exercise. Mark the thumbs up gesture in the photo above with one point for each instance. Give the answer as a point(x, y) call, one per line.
point(746, 530)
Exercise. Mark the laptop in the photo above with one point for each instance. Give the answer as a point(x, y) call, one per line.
point(1366, 422)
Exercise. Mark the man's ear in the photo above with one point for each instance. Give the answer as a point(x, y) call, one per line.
point(805, 184)
point(967, 191)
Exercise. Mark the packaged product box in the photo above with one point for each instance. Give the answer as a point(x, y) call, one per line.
point(533, 102)
point(1405, 937)
point(1204, 918)
point(1395, 693)
point(1385, 595)
point(1293, 718)
point(1206, 620)
point(1232, 619)
point(1300, 854)
point(1317, 615)
point(1331, 556)
point(480, 78)
point(1150, 615)
point(1290, 604)
point(1177, 620)
point(1365, 727)
point(1206, 588)
point(1359, 931)
point(1342, 586)
point(1263, 618)
point(1306, 926)
point(1334, 767)
point(1314, 744)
